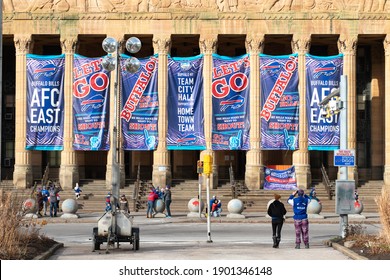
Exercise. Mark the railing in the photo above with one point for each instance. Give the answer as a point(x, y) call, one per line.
point(44, 181)
point(139, 191)
point(329, 186)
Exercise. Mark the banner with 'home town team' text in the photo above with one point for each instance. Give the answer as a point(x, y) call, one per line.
point(185, 104)
point(230, 102)
point(90, 104)
point(139, 110)
point(45, 102)
point(279, 102)
point(322, 76)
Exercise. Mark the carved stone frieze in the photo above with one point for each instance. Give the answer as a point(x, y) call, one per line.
point(222, 6)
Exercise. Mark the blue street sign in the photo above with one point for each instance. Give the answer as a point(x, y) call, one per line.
point(344, 158)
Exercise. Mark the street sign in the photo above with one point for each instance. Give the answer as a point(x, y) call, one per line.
point(344, 158)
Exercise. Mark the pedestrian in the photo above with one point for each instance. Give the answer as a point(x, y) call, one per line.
point(313, 195)
point(301, 222)
point(45, 197)
point(124, 204)
point(167, 200)
point(108, 202)
point(58, 202)
point(276, 211)
point(216, 208)
point(151, 198)
point(77, 191)
point(53, 200)
point(39, 201)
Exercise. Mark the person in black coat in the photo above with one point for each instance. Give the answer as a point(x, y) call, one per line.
point(276, 211)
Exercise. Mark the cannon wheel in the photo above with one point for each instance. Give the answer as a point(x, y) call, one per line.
point(135, 238)
point(95, 243)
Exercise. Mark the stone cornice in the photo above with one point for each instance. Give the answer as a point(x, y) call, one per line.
point(195, 16)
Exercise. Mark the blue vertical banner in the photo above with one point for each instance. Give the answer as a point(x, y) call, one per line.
point(279, 102)
point(45, 102)
point(185, 103)
point(139, 110)
point(90, 104)
point(230, 102)
point(322, 76)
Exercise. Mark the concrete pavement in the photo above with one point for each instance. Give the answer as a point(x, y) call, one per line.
point(157, 242)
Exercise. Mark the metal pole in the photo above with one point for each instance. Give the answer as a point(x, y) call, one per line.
point(115, 173)
point(208, 210)
point(343, 145)
point(1, 85)
point(200, 195)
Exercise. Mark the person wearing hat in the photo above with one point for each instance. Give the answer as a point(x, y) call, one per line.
point(301, 222)
point(276, 211)
point(167, 198)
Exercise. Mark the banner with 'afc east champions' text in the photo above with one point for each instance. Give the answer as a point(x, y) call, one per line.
point(230, 102)
point(279, 102)
point(322, 76)
point(139, 110)
point(90, 104)
point(45, 102)
point(185, 104)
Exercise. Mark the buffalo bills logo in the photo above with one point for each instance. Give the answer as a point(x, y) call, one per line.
point(234, 102)
point(271, 68)
point(187, 140)
point(327, 70)
point(95, 102)
point(185, 66)
point(47, 70)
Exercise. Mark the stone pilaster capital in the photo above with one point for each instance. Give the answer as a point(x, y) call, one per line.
point(68, 45)
point(23, 44)
point(301, 44)
point(386, 45)
point(162, 43)
point(254, 43)
point(348, 45)
point(208, 45)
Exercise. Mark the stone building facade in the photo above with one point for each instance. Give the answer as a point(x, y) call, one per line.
point(359, 29)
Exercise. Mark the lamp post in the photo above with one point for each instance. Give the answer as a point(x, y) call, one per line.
point(110, 63)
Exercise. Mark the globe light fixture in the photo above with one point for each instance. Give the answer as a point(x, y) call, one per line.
point(132, 65)
point(133, 45)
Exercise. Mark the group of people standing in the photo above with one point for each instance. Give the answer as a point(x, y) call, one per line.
point(276, 210)
point(165, 195)
point(48, 197)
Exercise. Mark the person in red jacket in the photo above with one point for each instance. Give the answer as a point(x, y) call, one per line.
point(151, 198)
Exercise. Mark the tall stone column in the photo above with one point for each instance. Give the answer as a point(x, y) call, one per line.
point(208, 46)
point(348, 46)
point(254, 169)
point(115, 106)
point(386, 175)
point(301, 159)
point(69, 172)
point(23, 174)
point(162, 174)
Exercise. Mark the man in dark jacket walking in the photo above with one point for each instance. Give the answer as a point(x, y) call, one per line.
point(301, 222)
point(276, 211)
point(167, 200)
